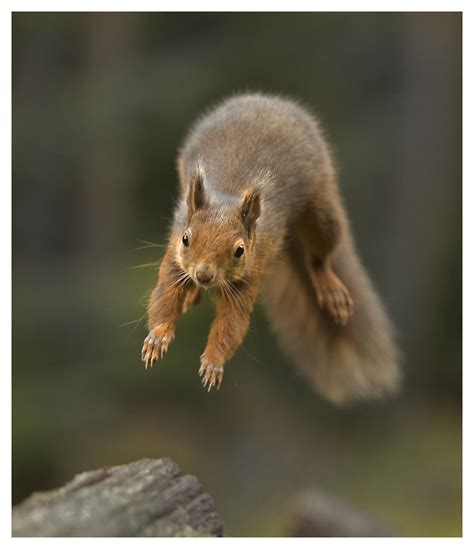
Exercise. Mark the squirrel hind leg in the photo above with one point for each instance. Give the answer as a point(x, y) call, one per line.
point(319, 230)
point(344, 364)
point(193, 297)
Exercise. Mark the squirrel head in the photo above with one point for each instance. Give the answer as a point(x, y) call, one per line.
point(217, 246)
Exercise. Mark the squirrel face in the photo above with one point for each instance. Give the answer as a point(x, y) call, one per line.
point(217, 247)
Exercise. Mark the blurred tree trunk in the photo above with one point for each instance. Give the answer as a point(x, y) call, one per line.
point(108, 170)
point(430, 154)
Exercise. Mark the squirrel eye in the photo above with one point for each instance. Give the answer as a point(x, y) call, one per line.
point(239, 251)
point(185, 239)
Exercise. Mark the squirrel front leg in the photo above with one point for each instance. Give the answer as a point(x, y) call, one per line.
point(164, 307)
point(233, 309)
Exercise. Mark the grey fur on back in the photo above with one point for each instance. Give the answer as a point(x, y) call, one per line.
point(259, 141)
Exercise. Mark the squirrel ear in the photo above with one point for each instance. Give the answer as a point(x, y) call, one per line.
point(250, 208)
point(196, 196)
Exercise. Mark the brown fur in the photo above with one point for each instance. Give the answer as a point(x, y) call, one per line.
point(256, 176)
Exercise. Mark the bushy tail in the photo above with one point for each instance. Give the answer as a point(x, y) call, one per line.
point(347, 363)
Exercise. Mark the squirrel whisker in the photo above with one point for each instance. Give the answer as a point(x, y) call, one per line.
point(143, 265)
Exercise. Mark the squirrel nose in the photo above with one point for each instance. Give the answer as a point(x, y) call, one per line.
point(204, 274)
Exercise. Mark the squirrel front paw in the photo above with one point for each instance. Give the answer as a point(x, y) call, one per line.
point(332, 294)
point(156, 344)
point(211, 372)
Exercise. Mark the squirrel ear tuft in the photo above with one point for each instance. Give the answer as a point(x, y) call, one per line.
point(196, 195)
point(250, 208)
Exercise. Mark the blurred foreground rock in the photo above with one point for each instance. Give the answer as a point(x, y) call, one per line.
point(149, 497)
point(317, 514)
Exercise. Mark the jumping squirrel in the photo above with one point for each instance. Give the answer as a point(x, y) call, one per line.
point(260, 213)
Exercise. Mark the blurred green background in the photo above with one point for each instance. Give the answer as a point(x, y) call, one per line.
point(101, 103)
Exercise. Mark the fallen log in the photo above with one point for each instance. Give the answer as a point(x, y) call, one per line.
point(149, 497)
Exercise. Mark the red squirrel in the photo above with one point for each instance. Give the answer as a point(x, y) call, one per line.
point(260, 213)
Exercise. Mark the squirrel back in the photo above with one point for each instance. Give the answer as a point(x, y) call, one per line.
point(257, 142)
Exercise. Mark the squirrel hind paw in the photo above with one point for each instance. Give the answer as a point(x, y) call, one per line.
point(332, 295)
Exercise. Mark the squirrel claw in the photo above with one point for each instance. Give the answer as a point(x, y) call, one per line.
point(211, 375)
point(155, 345)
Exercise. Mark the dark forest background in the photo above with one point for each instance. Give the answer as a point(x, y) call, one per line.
point(101, 103)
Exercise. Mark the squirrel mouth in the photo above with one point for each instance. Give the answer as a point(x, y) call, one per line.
point(205, 285)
